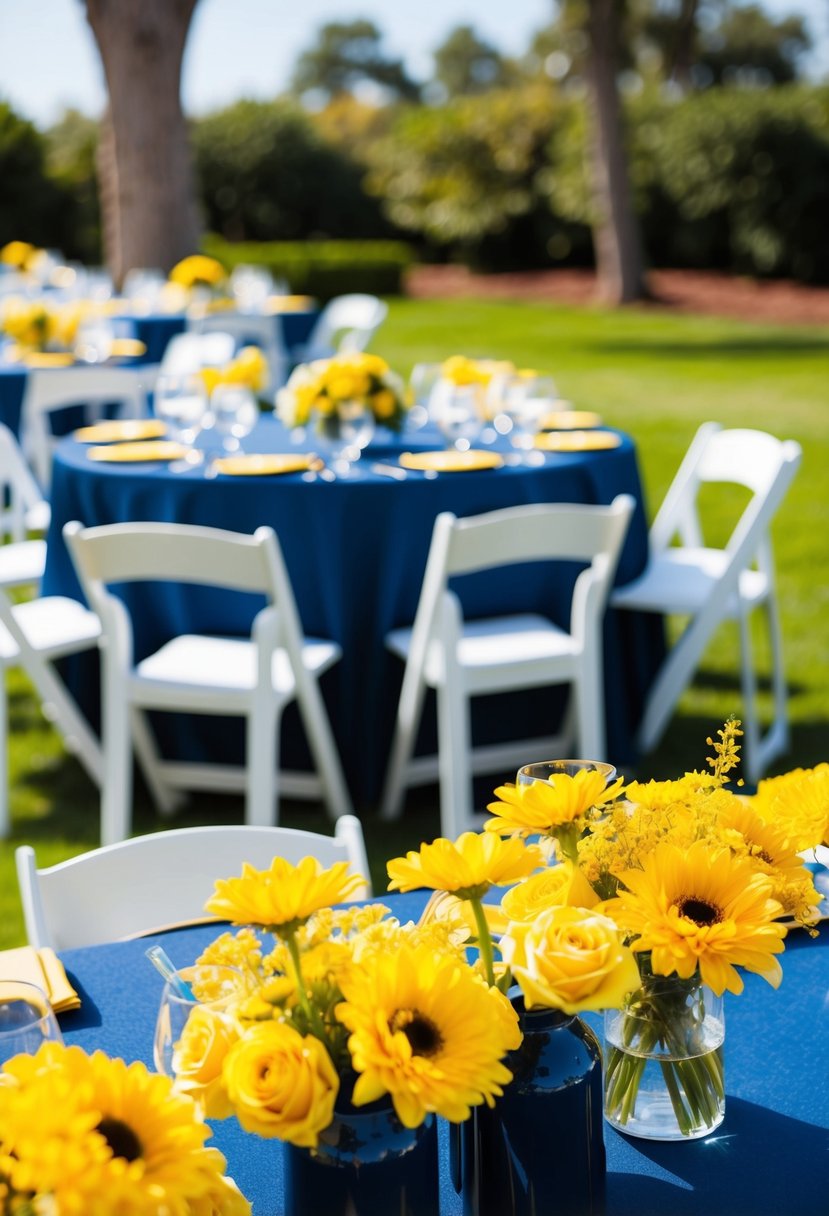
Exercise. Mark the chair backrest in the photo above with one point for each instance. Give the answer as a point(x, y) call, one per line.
point(248, 329)
point(146, 883)
point(182, 553)
point(188, 352)
point(346, 323)
point(25, 509)
point(753, 459)
point(49, 390)
point(539, 532)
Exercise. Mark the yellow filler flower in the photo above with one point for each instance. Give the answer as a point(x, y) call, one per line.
point(697, 908)
point(427, 1031)
point(467, 867)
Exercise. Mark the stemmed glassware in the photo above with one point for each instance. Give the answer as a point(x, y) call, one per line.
point(213, 987)
point(26, 1019)
point(234, 413)
point(181, 402)
point(458, 411)
point(345, 434)
point(525, 400)
point(423, 378)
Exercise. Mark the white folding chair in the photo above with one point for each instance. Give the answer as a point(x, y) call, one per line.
point(53, 389)
point(188, 352)
point(150, 882)
point(250, 329)
point(711, 585)
point(346, 323)
point(462, 659)
point(33, 635)
point(23, 510)
point(254, 677)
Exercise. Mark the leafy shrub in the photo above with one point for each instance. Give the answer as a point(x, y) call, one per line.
point(322, 268)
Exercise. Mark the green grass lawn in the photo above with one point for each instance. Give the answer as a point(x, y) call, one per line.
point(657, 376)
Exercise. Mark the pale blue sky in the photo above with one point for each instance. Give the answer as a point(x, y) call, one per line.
point(246, 48)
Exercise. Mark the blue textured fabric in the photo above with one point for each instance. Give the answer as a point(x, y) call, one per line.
point(12, 387)
point(156, 329)
point(768, 1158)
point(355, 550)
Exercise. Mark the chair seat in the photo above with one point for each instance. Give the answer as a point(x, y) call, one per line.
point(196, 671)
point(54, 626)
point(501, 649)
point(22, 562)
point(681, 581)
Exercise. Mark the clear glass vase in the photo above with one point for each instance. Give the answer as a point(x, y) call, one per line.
point(664, 1060)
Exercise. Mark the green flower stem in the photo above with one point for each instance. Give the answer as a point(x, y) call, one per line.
point(567, 838)
point(484, 939)
point(312, 1014)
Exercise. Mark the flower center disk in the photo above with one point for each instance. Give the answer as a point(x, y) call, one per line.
point(423, 1035)
point(700, 912)
point(120, 1138)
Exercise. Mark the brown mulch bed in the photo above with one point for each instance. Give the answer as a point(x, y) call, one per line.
point(686, 291)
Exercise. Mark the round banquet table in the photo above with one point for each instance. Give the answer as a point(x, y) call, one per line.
point(766, 1159)
point(356, 549)
point(156, 329)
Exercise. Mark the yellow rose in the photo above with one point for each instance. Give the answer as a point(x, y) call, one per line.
point(384, 403)
point(554, 887)
point(198, 1057)
point(281, 1084)
point(17, 254)
point(570, 959)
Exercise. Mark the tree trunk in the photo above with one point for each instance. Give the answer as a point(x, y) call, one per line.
point(148, 199)
point(685, 44)
point(615, 230)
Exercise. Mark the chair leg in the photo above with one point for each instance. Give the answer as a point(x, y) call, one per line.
point(454, 760)
point(166, 799)
point(748, 686)
point(5, 812)
point(409, 709)
point(672, 679)
point(116, 790)
point(261, 808)
point(589, 704)
point(323, 747)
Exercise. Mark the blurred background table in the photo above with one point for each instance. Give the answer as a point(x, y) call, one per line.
point(356, 550)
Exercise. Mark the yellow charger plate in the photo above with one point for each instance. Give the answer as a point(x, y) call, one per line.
point(127, 348)
point(264, 465)
point(577, 441)
point(451, 462)
point(121, 431)
point(158, 449)
point(571, 420)
point(49, 358)
point(275, 304)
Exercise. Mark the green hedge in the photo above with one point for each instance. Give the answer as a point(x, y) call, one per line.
point(322, 268)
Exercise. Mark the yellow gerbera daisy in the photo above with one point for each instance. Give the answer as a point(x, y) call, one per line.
point(467, 867)
point(769, 850)
point(544, 806)
point(283, 897)
point(427, 1031)
point(701, 908)
point(799, 802)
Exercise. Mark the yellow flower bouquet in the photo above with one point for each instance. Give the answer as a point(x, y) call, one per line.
point(92, 1135)
point(197, 270)
point(328, 390)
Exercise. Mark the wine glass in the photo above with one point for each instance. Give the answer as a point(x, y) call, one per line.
point(234, 413)
point(213, 987)
point(545, 769)
point(525, 400)
point(423, 378)
point(26, 1019)
point(181, 403)
point(251, 287)
point(458, 411)
point(93, 342)
point(345, 433)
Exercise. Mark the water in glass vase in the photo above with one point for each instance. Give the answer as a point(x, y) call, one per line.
point(664, 1062)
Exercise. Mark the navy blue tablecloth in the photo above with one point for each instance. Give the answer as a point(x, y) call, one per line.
point(156, 329)
point(356, 550)
point(768, 1158)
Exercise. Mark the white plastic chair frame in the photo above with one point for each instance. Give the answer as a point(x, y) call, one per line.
point(24, 508)
point(463, 659)
point(188, 352)
point(54, 389)
point(263, 328)
point(147, 883)
point(712, 585)
point(33, 635)
point(346, 323)
point(285, 666)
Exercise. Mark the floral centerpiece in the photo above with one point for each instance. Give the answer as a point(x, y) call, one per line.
point(92, 1135)
point(38, 325)
point(327, 391)
point(19, 255)
point(698, 879)
point(199, 271)
point(247, 369)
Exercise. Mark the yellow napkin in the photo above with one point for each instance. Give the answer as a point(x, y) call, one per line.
point(118, 430)
point(127, 348)
point(49, 358)
point(577, 441)
point(151, 449)
point(43, 968)
point(570, 420)
point(276, 304)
